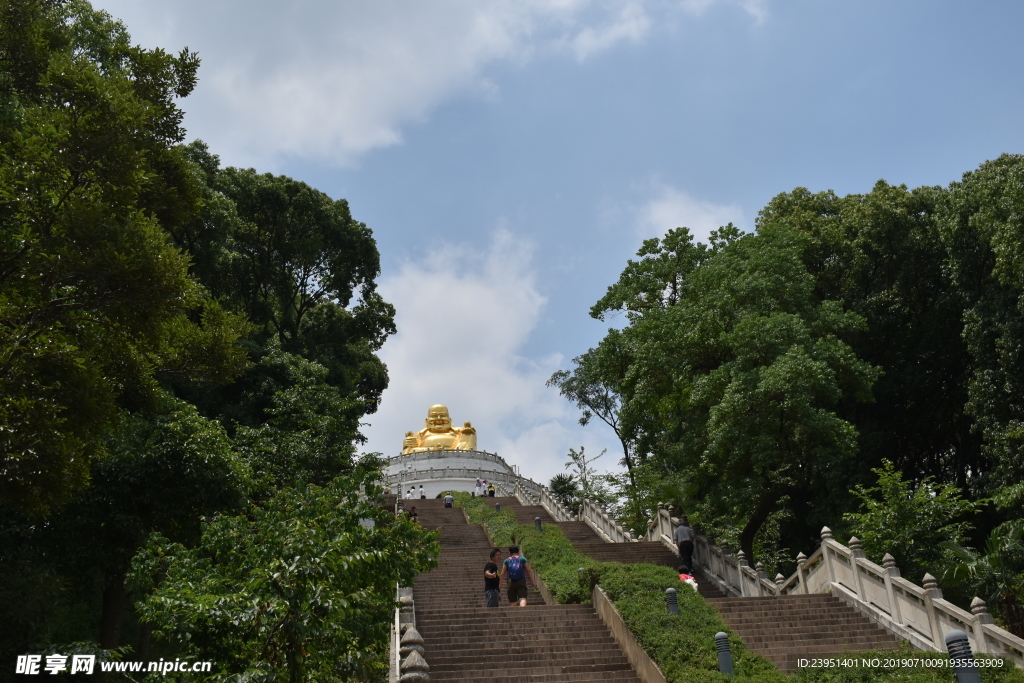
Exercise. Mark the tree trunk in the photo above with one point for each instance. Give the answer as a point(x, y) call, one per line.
point(628, 459)
point(765, 507)
point(113, 613)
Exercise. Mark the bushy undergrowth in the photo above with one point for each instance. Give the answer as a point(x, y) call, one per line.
point(682, 645)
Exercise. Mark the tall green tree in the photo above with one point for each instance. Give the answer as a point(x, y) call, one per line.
point(737, 375)
point(981, 224)
point(882, 256)
point(95, 301)
point(297, 264)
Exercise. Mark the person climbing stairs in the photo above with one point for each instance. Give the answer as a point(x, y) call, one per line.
point(463, 640)
point(782, 628)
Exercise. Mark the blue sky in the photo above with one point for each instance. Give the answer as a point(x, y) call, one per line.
point(510, 156)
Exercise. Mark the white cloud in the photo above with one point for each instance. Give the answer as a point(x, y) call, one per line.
point(331, 80)
point(670, 207)
point(632, 24)
point(463, 317)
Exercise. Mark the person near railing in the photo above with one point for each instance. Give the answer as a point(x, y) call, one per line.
point(684, 542)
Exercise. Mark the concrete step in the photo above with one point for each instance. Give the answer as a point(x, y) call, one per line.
point(787, 627)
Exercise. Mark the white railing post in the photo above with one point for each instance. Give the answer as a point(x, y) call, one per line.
point(981, 617)
point(801, 561)
point(856, 555)
point(932, 592)
point(891, 572)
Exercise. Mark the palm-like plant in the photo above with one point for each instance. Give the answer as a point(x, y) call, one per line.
point(997, 574)
point(566, 490)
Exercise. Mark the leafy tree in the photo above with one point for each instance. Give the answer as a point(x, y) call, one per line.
point(593, 387)
point(299, 588)
point(591, 484)
point(308, 437)
point(980, 223)
point(910, 521)
point(94, 300)
point(298, 265)
point(160, 474)
point(735, 384)
point(881, 254)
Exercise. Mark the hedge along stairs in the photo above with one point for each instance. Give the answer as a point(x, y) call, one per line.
point(782, 629)
point(587, 541)
point(463, 640)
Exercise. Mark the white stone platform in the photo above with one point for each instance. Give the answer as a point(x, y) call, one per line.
point(443, 470)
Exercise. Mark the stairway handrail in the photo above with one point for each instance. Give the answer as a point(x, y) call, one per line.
point(918, 614)
point(606, 526)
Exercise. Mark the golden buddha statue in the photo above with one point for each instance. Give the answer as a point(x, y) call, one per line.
point(438, 434)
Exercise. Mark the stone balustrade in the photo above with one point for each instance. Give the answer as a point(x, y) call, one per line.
point(604, 524)
point(919, 614)
point(407, 663)
point(557, 511)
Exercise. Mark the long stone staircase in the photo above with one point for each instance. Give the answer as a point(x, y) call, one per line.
point(789, 627)
point(466, 641)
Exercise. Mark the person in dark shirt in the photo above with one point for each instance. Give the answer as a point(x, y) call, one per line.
point(413, 515)
point(684, 542)
point(492, 582)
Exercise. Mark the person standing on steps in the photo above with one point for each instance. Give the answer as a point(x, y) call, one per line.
point(515, 570)
point(449, 499)
point(490, 490)
point(684, 542)
point(423, 496)
point(492, 582)
point(478, 489)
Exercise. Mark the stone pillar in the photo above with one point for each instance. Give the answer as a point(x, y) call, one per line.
point(801, 573)
point(741, 557)
point(932, 592)
point(857, 554)
point(981, 617)
point(891, 572)
point(826, 553)
point(414, 668)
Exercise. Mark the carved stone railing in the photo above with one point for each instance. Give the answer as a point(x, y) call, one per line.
point(558, 512)
point(504, 489)
point(407, 661)
point(441, 453)
point(600, 521)
point(917, 614)
point(467, 473)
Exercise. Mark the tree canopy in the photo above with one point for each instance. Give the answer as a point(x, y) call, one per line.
point(185, 354)
point(773, 375)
